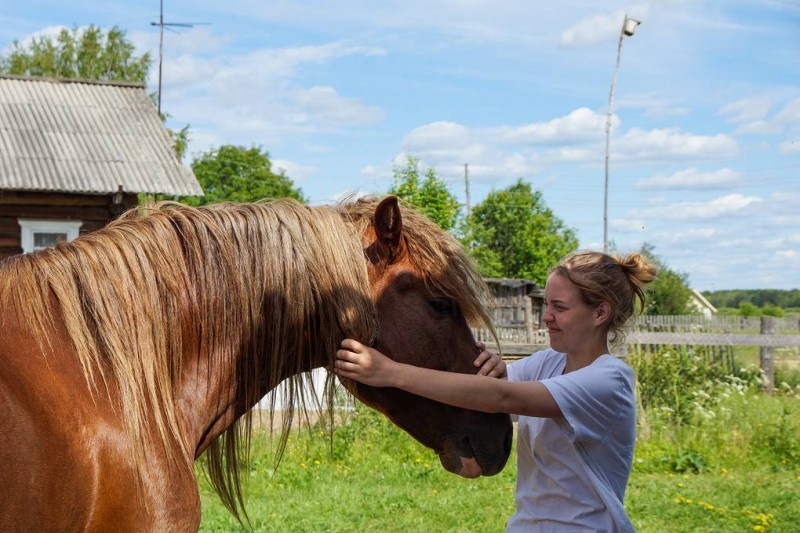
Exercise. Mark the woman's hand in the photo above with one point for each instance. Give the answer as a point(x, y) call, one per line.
point(364, 364)
point(490, 363)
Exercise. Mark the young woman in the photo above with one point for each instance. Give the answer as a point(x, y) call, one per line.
point(575, 401)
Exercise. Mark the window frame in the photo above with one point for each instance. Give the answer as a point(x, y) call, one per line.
point(29, 227)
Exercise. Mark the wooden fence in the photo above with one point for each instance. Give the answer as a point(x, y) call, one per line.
point(721, 333)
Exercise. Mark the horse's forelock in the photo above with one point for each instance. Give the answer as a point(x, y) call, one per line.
point(437, 256)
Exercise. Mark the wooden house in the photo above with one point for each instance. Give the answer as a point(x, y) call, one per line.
point(74, 154)
point(699, 304)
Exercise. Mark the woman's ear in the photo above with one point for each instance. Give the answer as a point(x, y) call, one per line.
point(602, 313)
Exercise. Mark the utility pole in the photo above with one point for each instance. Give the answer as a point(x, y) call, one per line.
point(628, 28)
point(466, 184)
point(469, 206)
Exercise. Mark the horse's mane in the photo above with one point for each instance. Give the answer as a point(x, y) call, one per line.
point(272, 286)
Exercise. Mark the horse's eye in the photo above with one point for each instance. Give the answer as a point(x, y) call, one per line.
point(444, 307)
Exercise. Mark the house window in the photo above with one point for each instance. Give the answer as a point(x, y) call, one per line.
point(41, 234)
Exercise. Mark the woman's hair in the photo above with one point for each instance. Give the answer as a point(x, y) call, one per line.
point(608, 278)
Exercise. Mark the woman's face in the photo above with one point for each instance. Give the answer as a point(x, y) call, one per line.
point(570, 322)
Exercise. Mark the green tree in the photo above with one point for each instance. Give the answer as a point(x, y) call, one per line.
point(87, 53)
point(515, 235)
point(773, 310)
point(669, 293)
point(748, 309)
point(430, 195)
point(238, 174)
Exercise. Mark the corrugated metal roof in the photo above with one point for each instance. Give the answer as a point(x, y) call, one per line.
point(87, 137)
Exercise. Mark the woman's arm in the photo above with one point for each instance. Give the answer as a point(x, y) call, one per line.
point(480, 393)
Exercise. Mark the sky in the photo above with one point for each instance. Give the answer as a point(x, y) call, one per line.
point(704, 145)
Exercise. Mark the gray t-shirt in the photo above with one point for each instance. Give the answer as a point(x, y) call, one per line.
point(572, 471)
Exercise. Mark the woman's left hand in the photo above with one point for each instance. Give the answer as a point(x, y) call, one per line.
point(489, 363)
point(363, 364)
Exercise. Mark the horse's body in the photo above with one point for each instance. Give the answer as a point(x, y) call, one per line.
point(128, 353)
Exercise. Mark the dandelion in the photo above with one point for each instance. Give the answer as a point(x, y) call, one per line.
point(759, 528)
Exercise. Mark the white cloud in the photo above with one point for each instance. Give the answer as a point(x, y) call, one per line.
point(790, 114)
point(326, 105)
point(297, 172)
point(752, 115)
point(48, 31)
point(447, 146)
point(718, 207)
point(628, 225)
point(580, 125)
point(748, 110)
point(692, 178)
point(262, 96)
point(693, 235)
point(792, 255)
point(789, 147)
point(592, 30)
point(670, 143)
point(439, 134)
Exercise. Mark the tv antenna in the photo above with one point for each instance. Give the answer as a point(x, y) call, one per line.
point(161, 25)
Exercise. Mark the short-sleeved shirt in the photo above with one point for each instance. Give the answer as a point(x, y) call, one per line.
point(572, 471)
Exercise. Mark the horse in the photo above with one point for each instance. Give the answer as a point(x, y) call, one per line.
point(131, 352)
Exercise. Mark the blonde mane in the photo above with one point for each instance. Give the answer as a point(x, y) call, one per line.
point(262, 289)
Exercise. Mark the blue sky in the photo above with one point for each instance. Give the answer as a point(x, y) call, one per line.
point(705, 139)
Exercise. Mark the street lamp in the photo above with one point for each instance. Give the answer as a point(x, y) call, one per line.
point(628, 29)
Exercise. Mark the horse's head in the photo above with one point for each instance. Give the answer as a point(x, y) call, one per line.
point(425, 291)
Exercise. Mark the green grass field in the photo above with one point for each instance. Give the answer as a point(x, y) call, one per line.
point(738, 470)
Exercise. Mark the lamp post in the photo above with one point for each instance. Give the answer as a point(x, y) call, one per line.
point(628, 29)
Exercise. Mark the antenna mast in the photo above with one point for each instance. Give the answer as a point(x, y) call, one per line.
point(161, 24)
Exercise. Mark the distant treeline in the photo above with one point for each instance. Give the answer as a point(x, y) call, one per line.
point(757, 297)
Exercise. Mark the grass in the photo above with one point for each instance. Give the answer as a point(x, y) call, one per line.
point(738, 470)
point(741, 499)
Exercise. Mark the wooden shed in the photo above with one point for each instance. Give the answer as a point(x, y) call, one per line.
point(517, 310)
point(74, 154)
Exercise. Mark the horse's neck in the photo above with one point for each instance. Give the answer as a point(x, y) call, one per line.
point(212, 396)
point(295, 335)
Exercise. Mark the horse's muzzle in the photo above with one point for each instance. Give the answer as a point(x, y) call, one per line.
point(460, 457)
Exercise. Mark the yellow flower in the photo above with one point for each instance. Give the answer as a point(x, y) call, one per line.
point(758, 528)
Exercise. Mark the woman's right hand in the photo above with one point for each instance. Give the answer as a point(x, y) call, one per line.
point(366, 365)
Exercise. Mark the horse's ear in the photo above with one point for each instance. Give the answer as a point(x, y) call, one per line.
point(388, 224)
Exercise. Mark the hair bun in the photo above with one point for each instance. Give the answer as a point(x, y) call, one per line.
point(640, 269)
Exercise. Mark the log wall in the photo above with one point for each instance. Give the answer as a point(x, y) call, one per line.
point(94, 210)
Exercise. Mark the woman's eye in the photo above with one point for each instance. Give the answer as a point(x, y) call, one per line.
point(443, 306)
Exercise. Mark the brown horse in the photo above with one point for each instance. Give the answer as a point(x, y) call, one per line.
point(128, 353)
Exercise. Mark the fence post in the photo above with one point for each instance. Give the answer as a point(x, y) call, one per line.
point(767, 358)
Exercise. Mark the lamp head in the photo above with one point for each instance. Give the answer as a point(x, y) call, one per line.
point(629, 27)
